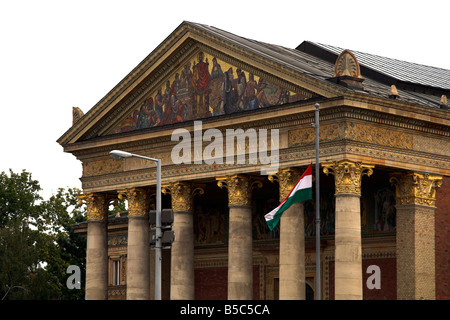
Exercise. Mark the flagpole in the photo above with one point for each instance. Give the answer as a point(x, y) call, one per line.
point(316, 126)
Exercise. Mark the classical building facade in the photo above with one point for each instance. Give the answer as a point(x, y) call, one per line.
point(384, 173)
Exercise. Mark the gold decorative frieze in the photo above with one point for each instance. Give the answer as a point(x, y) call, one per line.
point(138, 201)
point(347, 175)
point(411, 160)
point(99, 167)
point(352, 131)
point(182, 194)
point(286, 178)
point(416, 188)
point(97, 205)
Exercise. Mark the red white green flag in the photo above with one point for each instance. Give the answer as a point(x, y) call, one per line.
point(302, 191)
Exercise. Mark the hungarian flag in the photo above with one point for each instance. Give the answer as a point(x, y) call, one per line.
point(302, 191)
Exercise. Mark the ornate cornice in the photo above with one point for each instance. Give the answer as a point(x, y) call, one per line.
point(416, 188)
point(347, 175)
point(296, 117)
point(291, 157)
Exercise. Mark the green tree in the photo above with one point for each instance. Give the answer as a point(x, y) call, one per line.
point(37, 242)
point(69, 248)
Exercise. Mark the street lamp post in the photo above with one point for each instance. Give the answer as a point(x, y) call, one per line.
point(118, 155)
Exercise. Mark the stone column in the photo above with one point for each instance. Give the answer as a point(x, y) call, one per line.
point(182, 253)
point(348, 255)
point(97, 246)
point(415, 204)
point(138, 259)
point(240, 249)
point(292, 240)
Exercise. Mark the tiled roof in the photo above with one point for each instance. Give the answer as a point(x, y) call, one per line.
point(379, 73)
point(400, 70)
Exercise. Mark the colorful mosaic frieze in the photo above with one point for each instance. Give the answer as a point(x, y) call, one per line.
point(205, 87)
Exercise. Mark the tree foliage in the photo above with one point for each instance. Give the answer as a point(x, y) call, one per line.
point(37, 242)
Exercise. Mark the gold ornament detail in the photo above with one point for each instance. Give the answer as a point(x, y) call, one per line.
point(347, 175)
point(352, 131)
point(239, 192)
point(182, 194)
point(138, 201)
point(416, 188)
point(97, 205)
point(100, 167)
point(287, 178)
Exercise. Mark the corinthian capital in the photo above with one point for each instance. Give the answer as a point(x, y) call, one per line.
point(239, 192)
point(287, 178)
point(138, 201)
point(416, 188)
point(182, 194)
point(97, 205)
point(347, 175)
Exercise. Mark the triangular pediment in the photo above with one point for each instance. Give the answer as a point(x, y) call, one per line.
point(206, 86)
point(196, 73)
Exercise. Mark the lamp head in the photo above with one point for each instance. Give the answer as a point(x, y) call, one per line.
point(118, 154)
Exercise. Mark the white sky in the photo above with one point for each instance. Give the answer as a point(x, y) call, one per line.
point(58, 54)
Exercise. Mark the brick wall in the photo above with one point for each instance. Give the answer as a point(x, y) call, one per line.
point(211, 283)
point(443, 240)
point(388, 270)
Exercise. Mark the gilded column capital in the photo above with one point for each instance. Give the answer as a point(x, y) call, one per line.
point(138, 201)
point(97, 205)
point(182, 194)
point(287, 178)
point(416, 188)
point(239, 188)
point(347, 175)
